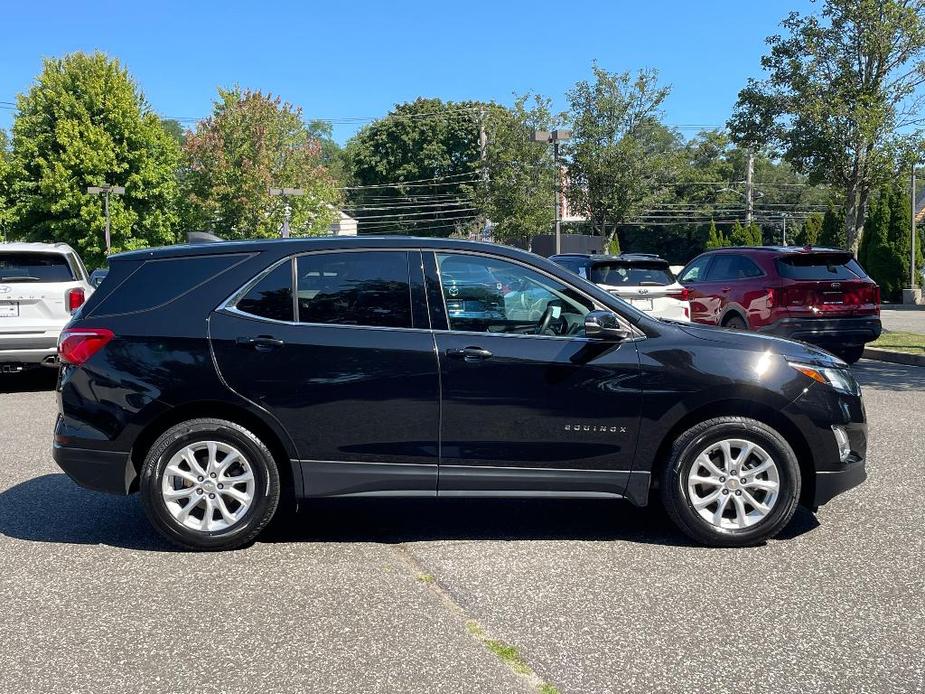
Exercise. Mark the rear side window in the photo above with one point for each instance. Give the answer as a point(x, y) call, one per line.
point(820, 266)
point(369, 288)
point(271, 297)
point(158, 282)
point(728, 266)
point(34, 267)
point(636, 274)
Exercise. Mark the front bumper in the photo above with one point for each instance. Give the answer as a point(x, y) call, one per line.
point(827, 331)
point(102, 471)
point(831, 483)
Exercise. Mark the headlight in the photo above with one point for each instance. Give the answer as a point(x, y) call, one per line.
point(840, 379)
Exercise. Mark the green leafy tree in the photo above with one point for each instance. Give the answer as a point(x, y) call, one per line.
point(839, 89)
point(715, 238)
point(620, 153)
point(173, 128)
point(753, 234)
point(250, 143)
point(519, 184)
point(808, 235)
point(832, 234)
point(415, 170)
point(5, 182)
point(85, 122)
point(880, 259)
point(738, 235)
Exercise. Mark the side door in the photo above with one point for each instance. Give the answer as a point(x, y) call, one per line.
point(337, 346)
point(529, 404)
point(702, 300)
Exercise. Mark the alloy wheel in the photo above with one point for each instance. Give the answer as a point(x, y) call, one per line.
point(733, 484)
point(208, 486)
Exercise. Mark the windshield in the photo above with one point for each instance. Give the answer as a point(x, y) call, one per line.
point(636, 274)
point(34, 267)
point(820, 266)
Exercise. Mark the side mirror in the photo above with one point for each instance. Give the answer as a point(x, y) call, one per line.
point(604, 325)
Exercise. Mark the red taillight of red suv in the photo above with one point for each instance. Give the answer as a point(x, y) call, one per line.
point(683, 294)
point(77, 345)
point(74, 298)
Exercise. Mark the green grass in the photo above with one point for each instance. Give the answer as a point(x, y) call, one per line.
point(901, 342)
point(509, 655)
point(426, 578)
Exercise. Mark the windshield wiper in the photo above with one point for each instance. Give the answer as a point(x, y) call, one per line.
point(19, 278)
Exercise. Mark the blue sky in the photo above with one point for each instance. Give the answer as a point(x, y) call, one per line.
point(348, 59)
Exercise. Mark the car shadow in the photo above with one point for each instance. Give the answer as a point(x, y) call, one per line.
point(889, 376)
point(51, 508)
point(31, 381)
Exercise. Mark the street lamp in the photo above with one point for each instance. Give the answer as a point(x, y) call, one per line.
point(106, 190)
point(555, 137)
point(285, 194)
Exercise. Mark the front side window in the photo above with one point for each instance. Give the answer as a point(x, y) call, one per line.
point(271, 297)
point(496, 296)
point(695, 271)
point(368, 288)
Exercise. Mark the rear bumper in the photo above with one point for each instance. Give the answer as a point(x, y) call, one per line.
point(827, 331)
point(102, 471)
point(28, 347)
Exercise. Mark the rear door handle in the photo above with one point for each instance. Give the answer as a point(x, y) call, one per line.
point(469, 353)
point(262, 343)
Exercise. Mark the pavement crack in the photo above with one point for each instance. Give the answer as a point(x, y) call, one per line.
point(506, 653)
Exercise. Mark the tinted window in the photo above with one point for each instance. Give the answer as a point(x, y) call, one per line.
point(577, 265)
point(271, 297)
point(695, 271)
point(34, 267)
point(820, 266)
point(636, 274)
point(367, 288)
point(496, 296)
point(158, 282)
point(728, 266)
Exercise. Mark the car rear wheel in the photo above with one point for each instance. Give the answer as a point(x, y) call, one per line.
point(209, 484)
point(735, 322)
point(731, 482)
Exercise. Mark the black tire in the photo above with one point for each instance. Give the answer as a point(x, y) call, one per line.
point(688, 447)
point(266, 484)
point(735, 322)
point(850, 353)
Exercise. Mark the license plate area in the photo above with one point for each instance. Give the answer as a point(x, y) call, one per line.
point(833, 298)
point(642, 304)
point(9, 309)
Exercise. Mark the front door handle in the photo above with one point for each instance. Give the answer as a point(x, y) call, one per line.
point(262, 343)
point(469, 353)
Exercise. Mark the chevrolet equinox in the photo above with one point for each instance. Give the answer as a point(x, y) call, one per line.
point(219, 380)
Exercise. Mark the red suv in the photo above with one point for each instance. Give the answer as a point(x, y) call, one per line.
point(818, 295)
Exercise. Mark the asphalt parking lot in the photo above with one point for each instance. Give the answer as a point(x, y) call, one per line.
point(908, 320)
point(375, 597)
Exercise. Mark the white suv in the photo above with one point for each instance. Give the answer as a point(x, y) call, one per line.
point(644, 280)
point(41, 285)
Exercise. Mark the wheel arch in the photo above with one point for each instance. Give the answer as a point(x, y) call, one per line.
point(749, 409)
point(277, 441)
point(734, 310)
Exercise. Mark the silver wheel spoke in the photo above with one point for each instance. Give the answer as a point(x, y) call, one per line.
point(741, 515)
point(212, 447)
point(179, 493)
point(726, 448)
point(174, 470)
point(236, 494)
point(245, 477)
point(767, 485)
point(190, 459)
point(704, 459)
point(764, 467)
point(761, 508)
point(227, 462)
point(714, 481)
point(720, 507)
point(744, 454)
point(185, 511)
point(223, 509)
point(207, 516)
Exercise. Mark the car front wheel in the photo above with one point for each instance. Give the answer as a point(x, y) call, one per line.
point(209, 484)
point(731, 482)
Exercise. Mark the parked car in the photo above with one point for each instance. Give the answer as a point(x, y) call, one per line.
point(217, 379)
point(41, 285)
point(646, 281)
point(818, 295)
point(97, 276)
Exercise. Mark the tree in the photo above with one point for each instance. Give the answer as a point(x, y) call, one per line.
point(5, 182)
point(250, 143)
point(880, 259)
point(808, 235)
point(832, 234)
point(839, 88)
point(518, 190)
point(620, 153)
point(173, 128)
point(415, 171)
point(85, 122)
point(753, 234)
point(739, 236)
point(715, 238)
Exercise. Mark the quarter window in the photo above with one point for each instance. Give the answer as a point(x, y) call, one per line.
point(368, 288)
point(271, 297)
point(495, 296)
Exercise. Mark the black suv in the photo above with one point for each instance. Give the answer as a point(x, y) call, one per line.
point(219, 379)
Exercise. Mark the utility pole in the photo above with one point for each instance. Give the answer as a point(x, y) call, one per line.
point(285, 194)
point(784, 238)
point(912, 245)
point(483, 162)
point(555, 137)
point(749, 189)
point(106, 190)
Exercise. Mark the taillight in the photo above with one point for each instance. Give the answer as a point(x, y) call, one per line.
point(773, 297)
point(76, 345)
point(683, 294)
point(74, 299)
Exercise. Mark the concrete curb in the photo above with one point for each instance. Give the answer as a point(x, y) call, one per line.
point(894, 357)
